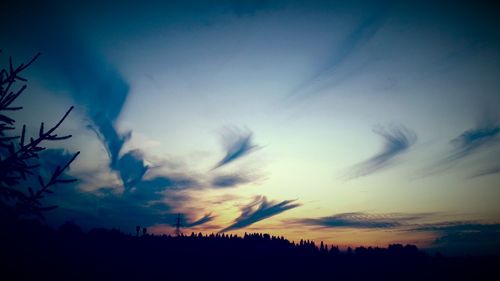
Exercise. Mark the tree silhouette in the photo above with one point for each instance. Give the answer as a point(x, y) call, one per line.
point(19, 155)
point(69, 253)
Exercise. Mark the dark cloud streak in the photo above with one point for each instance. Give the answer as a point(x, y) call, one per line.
point(397, 140)
point(326, 75)
point(361, 220)
point(474, 140)
point(488, 171)
point(205, 219)
point(258, 210)
point(227, 181)
point(237, 143)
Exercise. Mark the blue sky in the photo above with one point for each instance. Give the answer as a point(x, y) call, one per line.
point(360, 123)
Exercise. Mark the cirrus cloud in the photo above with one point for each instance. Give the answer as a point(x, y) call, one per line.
point(258, 210)
point(397, 140)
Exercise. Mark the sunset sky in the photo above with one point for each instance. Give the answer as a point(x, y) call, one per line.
point(360, 123)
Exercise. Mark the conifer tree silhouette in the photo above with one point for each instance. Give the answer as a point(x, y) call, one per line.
point(19, 154)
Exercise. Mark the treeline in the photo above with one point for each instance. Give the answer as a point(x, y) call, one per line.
point(33, 251)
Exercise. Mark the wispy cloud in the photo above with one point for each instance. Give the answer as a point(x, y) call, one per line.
point(227, 181)
point(327, 73)
point(473, 140)
point(482, 137)
point(258, 210)
point(237, 143)
point(488, 171)
point(362, 220)
point(397, 140)
point(205, 219)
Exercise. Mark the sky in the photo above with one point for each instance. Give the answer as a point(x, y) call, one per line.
point(359, 123)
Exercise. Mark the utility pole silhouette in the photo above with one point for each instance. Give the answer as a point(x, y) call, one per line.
point(178, 226)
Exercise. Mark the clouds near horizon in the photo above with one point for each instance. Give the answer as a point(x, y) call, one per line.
point(361, 220)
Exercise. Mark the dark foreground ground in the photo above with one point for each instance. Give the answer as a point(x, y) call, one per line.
point(32, 251)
